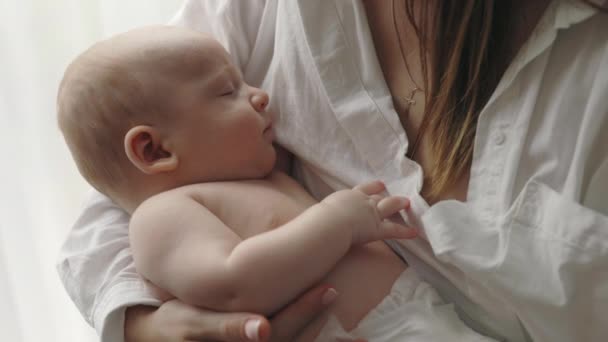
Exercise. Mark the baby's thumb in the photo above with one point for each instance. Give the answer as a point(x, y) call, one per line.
point(392, 230)
point(389, 206)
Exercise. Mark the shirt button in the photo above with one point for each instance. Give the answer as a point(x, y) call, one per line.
point(499, 138)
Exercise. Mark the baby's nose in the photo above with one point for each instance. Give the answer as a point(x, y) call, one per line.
point(259, 100)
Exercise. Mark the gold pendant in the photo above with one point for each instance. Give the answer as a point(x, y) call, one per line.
point(410, 100)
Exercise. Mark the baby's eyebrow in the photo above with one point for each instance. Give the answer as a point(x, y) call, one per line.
point(236, 72)
point(218, 77)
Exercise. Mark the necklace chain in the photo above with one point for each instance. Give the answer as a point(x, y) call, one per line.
point(409, 100)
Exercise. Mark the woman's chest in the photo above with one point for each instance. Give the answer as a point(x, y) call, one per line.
point(398, 52)
point(340, 117)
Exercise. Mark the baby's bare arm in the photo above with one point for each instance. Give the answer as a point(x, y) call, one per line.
point(185, 249)
point(180, 246)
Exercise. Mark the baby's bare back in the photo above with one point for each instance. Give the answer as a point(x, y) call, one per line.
point(363, 277)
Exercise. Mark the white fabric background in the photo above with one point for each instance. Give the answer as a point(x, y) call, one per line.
point(41, 190)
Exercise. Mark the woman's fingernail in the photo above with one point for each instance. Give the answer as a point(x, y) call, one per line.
point(252, 329)
point(329, 296)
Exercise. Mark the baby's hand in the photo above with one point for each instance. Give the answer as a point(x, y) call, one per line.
point(367, 213)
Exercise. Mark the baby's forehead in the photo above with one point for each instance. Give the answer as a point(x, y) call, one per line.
point(172, 51)
point(152, 62)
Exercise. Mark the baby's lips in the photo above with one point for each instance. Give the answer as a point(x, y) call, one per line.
point(269, 131)
point(268, 125)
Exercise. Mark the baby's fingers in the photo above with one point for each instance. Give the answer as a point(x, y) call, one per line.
point(391, 205)
point(371, 188)
point(392, 230)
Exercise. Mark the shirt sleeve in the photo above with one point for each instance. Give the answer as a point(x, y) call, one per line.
point(97, 270)
point(95, 263)
point(547, 257)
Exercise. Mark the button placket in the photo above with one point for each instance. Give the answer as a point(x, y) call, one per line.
point(494, 168)
point(499, 138)
point(492, 142)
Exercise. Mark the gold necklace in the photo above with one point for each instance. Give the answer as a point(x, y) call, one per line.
point(409, 100)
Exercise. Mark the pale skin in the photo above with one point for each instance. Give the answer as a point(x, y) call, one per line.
point(214, 226)
point(234, 246)
point(175, 321)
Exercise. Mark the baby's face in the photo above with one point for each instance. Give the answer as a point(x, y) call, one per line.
point(221, 125)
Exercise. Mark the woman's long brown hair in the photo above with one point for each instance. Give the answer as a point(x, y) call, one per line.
point(464, 46)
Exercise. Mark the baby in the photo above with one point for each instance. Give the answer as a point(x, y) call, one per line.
point(162, 122)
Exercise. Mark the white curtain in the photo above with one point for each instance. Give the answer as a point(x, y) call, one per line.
point(41, 191)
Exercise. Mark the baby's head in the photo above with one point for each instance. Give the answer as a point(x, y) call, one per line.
point(160, 107)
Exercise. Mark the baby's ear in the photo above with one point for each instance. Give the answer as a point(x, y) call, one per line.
point(145, 149)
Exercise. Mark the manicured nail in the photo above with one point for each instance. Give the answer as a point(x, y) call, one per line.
point(252, 329)
point(329, 296)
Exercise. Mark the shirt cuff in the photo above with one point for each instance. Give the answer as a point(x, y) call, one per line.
point(109, 315)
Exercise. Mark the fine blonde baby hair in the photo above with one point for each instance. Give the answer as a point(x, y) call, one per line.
point(104, 92)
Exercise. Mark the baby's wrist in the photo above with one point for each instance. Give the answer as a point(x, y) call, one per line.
point(336, 217)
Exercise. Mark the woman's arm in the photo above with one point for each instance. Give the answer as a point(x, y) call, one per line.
point(97, 270)
point(175, 321)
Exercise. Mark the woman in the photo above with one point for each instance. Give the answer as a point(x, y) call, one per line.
point(490, 116)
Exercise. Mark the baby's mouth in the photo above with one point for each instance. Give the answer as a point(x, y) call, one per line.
point(268, 131)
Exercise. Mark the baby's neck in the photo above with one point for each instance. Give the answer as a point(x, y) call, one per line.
point(138, 192)
point(128, 204)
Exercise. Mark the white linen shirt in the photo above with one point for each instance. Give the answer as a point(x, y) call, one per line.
point(525, 258)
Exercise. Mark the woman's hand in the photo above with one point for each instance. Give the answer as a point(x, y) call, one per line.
point(179, 322)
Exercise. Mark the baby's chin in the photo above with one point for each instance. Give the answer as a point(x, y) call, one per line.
point(259, 169)
point(268, 166)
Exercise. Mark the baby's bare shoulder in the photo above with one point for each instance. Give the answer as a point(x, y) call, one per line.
point(162, 205)
point(278, 189)
point(275, 183)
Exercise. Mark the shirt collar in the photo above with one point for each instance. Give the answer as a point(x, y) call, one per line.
point(559, 15)
point(570, 12)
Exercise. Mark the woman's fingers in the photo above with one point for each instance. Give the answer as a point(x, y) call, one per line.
point(176, 321)
point(248, 327)
point(229, 327)
point(291, 320)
